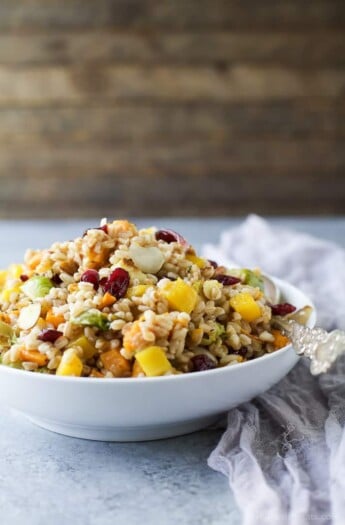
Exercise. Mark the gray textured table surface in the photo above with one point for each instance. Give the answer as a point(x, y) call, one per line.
point(48, 479)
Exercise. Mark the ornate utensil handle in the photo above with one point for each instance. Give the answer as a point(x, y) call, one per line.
point(322, 347)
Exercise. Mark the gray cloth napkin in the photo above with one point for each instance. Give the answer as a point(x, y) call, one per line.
point(284, 452)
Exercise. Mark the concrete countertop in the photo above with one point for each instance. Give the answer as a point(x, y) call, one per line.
point(49, 479)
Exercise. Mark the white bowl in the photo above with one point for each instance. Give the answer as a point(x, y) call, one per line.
point(144, 408)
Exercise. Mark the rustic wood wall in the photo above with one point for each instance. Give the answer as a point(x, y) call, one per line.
point(180, 107)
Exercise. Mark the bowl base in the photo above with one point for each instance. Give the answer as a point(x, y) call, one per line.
point(144, 433)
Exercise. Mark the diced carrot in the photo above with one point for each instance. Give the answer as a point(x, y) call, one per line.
point(107, 300)
point(54, 319)
point(116, 363)
point(34, 356)
point(280, 340)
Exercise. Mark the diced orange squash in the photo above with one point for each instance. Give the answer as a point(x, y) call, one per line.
point(280, 340)
point(181, 296)
point(246, 306)
point(54, 319)
point(137, 370)
point(113, 361)
point(199, 261)
point(87, 347)
point(70, 364)
point(153, 361)
point(33, 356)
point(107, 300)
point(96, 257)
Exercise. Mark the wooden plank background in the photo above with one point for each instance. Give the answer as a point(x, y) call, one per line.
point(184, 107)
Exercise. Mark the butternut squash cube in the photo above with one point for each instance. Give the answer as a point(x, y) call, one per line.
point(113, 361)
point(70, 364)
point(199, 261)
point(280, 340)
point(181, 296)
point(153, 361)
point(245, 305)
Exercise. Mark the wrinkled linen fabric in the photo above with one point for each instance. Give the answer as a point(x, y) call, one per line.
point(284, 452)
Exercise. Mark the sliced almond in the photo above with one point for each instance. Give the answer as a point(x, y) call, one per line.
point(148, 259)
point(29, 316)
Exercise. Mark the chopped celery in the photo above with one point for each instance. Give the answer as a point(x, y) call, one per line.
point(37, 286)
point(42, 370)
point(92, 317)
point(216, 332)
point(253, 279)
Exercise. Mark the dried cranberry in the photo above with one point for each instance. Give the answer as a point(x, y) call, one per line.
point(23, 278)
point(213, 263)
point(282, 309)
point(202, 362)
point(91, 276)
point(227, 280)
point(242, 351)
point(56, 279)
point(170, 236)
point(166, 236)
point(49, 335)
point(103, 281)
point(117, 283)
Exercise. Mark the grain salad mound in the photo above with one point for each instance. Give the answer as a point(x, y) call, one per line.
point(122, 302)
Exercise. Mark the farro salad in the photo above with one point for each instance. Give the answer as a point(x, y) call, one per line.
point(122, 302)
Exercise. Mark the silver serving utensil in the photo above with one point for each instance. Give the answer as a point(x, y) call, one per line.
point(320, 346)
